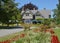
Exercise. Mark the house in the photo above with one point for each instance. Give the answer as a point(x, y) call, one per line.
point(33, 14)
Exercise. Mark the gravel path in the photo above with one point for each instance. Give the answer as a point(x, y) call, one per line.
point(4, 32)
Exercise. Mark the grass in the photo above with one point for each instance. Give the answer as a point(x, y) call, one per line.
point(57, 32)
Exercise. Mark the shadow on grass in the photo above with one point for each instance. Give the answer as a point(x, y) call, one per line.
point(10, 27)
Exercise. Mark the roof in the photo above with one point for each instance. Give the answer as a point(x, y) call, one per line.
point(29, 6)
point(43, 12)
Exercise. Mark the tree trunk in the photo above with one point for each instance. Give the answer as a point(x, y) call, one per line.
point(8, 24)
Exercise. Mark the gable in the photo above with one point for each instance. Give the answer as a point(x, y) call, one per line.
point(27, 12)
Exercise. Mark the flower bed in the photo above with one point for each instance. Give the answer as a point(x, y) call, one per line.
point(32, 36)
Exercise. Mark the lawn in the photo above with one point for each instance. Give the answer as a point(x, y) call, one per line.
point(57, 32)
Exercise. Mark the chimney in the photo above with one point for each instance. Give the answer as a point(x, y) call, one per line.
point(44, 8)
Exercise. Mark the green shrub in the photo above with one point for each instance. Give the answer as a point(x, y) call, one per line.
point(47, 22)
point(41, 19)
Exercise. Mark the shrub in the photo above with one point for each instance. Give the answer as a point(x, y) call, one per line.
point(40, 19)
point(46, 22)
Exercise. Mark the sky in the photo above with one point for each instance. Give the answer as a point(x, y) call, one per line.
point(48, 4)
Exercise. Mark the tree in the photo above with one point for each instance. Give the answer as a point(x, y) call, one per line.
point(57, 13)
point(8, 9)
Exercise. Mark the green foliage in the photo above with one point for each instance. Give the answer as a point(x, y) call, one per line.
point(40, 19)
point(20, 40)
point(8, 11)
point(32, 37)
point(57, 32)
point(46, 22)
point(57, 13)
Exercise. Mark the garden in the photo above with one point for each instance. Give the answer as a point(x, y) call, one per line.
point(40, 34)
point(42, 30)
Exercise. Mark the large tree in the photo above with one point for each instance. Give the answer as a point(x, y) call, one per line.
point(8, 10)
point(57, 13)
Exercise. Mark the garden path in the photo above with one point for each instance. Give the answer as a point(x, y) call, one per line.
point(4, 32)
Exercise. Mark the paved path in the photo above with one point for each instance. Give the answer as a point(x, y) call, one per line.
point(4, 32)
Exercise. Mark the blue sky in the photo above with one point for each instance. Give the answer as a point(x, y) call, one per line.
point(48, 4)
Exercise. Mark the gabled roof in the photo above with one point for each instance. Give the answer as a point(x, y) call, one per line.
point(38, 13)
point(27, 11)
point(44, 13)
point(30, 6)
point(34, 11)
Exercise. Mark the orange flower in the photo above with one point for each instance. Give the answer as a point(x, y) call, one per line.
point(0, 42)
point(7, 41)
point(36, 30)
point(47, 30)
point(22, 35)
point(15, 38)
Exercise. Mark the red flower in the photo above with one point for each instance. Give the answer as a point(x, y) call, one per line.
point(59, 41)
point(7, 41)
point(54, 39)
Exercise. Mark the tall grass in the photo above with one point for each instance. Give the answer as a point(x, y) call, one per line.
point(57, 32)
